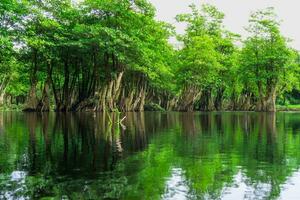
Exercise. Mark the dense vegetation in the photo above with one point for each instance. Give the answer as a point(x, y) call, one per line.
point(114, 55)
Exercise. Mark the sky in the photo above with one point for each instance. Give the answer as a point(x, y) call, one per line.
point(237, 13)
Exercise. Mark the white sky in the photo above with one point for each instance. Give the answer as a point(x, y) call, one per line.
point(237, 13)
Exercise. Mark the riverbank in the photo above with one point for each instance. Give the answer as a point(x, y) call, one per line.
point(12, 107)
point(288, 108)
point(20, 107)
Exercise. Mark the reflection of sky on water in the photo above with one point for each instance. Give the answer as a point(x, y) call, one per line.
point(291, 189)
point(176, 186)
point(18, 176)
point(242, 190)
point(15, 184)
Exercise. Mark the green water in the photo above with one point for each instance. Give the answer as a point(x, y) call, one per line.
point(150, 155)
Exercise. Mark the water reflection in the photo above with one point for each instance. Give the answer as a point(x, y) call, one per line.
point(149, 155)
point(176, 187)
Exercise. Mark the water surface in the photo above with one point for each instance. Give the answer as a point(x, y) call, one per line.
point(151, 155)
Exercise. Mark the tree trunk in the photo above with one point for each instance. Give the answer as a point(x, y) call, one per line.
point(188, 98)
point(32, 101)
point(260, 104)
point(267, 103)
point(44, 104)
point(219, 99)
point(3, 86)
point(142, 102)
point(206, 101)
point(270, 100)
point(2, 99)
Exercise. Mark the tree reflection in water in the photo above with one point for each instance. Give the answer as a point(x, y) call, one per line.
point(153, 156)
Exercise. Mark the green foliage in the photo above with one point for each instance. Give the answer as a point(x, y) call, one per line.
point(265, 58)
point(208, 59)
point(199, 62)
point(78, 47)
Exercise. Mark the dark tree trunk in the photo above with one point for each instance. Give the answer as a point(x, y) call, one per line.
point(206, 101)
point(44, 104)
point(219, 99)
point(32, 101)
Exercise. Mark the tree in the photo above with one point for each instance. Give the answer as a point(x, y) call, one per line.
point(206, 57)
point(265, 57)
point(11, 14)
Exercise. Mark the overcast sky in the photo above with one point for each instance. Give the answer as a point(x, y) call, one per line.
point(237, 13)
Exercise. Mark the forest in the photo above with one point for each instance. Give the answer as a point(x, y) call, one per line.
point(114, 55)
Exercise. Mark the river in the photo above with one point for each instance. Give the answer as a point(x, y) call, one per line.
point(150, 155)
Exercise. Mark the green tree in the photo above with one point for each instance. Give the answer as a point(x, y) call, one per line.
point(265, 57)
point(206, 58)
point(11, 15)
